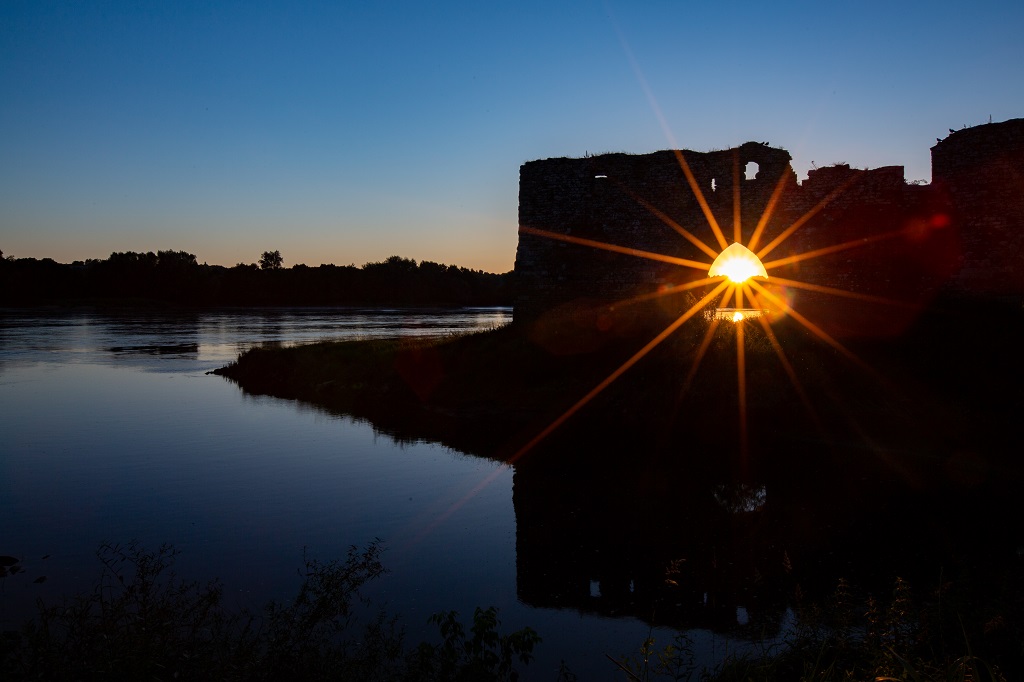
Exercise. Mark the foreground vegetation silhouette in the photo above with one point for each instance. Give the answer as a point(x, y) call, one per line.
point(141, 621)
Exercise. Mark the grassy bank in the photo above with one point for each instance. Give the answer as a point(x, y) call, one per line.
point(490, 393)
point(482, 392)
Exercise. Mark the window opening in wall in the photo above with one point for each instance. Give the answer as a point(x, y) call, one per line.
point(752, 169)
point(714, 183)
point(598, 177)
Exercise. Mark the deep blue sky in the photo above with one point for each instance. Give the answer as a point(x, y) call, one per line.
point(349, 132)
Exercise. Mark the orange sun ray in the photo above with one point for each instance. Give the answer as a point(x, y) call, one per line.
point(805, 217)
point(594, 392)
point(689, 236)
point(675, 289)
point(852, 244)
point(811, 327)
point(839, 292)
point(767, 214)
point(615, 248)
point(737, 219)
point(705, 343)
point(699, 195)
point(790, 372)
point(741, 379)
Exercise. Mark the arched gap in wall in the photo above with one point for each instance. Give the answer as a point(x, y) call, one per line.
point(751, 170)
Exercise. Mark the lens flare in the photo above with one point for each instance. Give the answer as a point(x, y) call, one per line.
point(738, 263)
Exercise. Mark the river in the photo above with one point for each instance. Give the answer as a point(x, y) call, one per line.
point(114, 430)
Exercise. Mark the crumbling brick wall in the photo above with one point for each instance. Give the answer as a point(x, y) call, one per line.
point(982, 169)
point(963, 233)
point(630, 201)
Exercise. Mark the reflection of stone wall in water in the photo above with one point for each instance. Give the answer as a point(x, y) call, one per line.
point(669, 536)
point(613, 540)
point(961, 234)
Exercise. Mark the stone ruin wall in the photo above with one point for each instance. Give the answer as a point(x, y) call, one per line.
point(961, 234)
point(982, 170)
point(609, 198)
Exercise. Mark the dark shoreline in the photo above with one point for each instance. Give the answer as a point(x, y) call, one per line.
point(951, 382)
point(459, 391)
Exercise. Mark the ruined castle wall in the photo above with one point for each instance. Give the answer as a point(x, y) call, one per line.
point(962, 234)
point(838, 204)
point(982, 169)
point(632, 201)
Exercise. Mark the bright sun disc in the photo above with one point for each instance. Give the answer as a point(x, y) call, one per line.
point(738, 263)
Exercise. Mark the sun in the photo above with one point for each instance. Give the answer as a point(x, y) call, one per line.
point(738, 263)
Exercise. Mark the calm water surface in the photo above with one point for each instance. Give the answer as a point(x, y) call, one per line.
point(113, 431)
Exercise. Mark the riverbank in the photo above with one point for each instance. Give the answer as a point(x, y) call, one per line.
point(944, 387)
point(477, 393)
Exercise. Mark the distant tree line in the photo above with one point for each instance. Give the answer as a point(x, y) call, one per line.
point(176, 277)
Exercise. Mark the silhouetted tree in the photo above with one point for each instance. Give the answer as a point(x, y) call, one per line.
point(271, 260)
point(177, 277)
point(176, 259)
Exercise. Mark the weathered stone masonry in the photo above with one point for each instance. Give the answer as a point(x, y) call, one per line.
point(962, 233)
point(982, 170)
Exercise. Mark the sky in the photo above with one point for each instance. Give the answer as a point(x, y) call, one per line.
point(348, 132)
